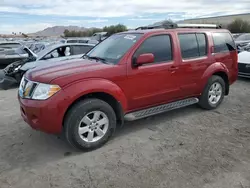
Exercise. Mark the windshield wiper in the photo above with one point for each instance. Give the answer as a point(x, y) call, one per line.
point(85, 56)
point(96, 58)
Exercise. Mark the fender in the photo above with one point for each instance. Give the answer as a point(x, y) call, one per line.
point(212, 69)
point(78, 89)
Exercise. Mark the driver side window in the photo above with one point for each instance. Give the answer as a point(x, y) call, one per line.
point(160, 46)
point(59, 52)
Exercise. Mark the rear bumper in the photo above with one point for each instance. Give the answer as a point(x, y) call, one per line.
point(6, 81)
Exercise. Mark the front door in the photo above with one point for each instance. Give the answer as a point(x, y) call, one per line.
point(155, 83)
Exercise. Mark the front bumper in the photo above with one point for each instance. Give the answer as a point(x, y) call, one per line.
point(6, 81)
point(244, 70)
point(45, 115)
point(245, 75)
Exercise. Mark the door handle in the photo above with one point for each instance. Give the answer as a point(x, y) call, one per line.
point(173, 68)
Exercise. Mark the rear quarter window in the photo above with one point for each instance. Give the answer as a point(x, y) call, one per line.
point(223, 42)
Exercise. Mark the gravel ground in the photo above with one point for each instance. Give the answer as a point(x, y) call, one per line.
point(189, 148)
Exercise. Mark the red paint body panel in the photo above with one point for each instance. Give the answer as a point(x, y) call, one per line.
point(44, 115)
point(134, 87)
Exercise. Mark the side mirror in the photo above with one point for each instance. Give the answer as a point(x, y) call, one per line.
point(144, 59)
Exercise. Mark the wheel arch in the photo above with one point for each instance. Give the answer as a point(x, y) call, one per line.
point(218, 69)
point(113, 101)
point(100, 88)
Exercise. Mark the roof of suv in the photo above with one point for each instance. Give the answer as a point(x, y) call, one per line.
point(144, 31)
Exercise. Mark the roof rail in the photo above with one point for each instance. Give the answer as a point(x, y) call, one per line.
point(160, 26)
point(174, 26)
point(199, 26)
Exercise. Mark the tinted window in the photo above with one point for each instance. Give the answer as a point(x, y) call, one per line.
point(72, 41)
point(189, 46)
point(81, 49)
point(83, 41)
point(159, 45)
point(202, 44)
point(20, 51)
point(10, 45)
point(223, 42)
point(193, 45)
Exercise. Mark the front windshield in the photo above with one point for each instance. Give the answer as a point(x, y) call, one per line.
point(113, 48)
point(243, 37)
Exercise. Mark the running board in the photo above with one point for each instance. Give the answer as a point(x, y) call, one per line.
point(160, 109)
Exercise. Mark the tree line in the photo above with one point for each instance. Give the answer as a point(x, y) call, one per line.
point(236, 26)
point(239, 26)
point(89, 32)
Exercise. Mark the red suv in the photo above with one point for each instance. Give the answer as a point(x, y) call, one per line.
point(128, 76)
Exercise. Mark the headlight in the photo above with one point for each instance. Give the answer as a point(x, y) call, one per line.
point(45, 91)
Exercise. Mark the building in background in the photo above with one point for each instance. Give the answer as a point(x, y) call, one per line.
point(224, 20)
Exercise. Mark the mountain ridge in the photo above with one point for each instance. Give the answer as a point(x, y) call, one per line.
point(57, 30)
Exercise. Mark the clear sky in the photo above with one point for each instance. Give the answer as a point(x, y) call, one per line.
point(33, 15)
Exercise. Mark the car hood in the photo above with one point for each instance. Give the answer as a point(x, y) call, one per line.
point(244, 57)
point(47, 73)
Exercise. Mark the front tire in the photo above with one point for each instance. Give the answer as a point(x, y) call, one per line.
point(213, 93)
point(89, 124)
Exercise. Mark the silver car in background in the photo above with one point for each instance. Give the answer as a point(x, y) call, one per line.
point(13, 73)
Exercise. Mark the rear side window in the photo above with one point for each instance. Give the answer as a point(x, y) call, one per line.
point(202, 44)
point(193, 45)
point(159, 45)
point(223, 42)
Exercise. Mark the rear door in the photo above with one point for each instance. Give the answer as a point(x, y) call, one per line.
point(194, 61)
point(155, 83)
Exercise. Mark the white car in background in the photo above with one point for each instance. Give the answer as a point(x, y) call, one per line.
point(244, 64)
point(243, 42)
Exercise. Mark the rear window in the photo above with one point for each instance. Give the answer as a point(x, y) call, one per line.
point(223, 42)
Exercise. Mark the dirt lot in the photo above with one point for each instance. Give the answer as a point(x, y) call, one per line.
point(189, 148)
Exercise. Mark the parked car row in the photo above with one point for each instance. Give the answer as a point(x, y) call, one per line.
point(243, 46)
point(10, 52)
point(13, 73)
point(243, 42)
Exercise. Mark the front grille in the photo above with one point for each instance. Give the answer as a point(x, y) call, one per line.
point(245, 68)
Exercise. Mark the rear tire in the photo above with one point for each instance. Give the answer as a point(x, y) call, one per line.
point(213, 93)
point(89, 124)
